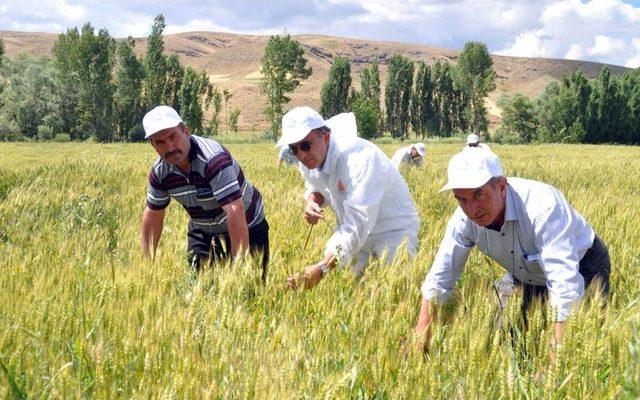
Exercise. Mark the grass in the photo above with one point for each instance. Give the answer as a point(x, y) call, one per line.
point(82, 315)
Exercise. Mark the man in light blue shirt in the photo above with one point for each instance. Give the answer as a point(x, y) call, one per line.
point(527, 227)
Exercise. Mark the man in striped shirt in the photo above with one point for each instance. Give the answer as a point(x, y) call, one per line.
point(225, 210)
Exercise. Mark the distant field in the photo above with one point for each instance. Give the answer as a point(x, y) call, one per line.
point(82, 315)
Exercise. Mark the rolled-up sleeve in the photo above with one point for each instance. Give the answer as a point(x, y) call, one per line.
point(449, 261)
point(365, 189)
point(559, 258)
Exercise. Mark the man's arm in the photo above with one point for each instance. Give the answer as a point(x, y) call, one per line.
point(152, 224)
point(428, 314)
point(237, 226)
point(313, 210)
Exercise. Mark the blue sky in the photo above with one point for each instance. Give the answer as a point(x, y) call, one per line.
point(597, 30)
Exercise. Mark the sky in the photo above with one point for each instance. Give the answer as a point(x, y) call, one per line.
point(598, 30)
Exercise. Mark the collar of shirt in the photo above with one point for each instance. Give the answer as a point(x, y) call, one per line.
point(510, 212)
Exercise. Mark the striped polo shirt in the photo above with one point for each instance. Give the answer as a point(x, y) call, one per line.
point(214, 179)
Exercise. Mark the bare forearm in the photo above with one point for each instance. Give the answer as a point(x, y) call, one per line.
point(428, 313)
point(151, 230)
point(237, 226)
point(239, 234)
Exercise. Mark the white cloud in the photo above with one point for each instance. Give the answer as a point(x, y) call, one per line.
point(597, 30)
point(634, 60)
point(527, 44)
point(576, 52)
point(605, 46)
point(72, 12)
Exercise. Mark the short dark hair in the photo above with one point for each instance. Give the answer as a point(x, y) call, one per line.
point(494, 181)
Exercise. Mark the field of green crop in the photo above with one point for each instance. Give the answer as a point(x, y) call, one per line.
point(82, 315)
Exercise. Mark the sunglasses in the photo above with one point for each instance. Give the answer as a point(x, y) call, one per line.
point(305, 146)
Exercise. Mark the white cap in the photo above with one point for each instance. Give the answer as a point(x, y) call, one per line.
point(297, 123)
point(420, 148)
point(160, 118)
point(473, 138)
point(472, 169)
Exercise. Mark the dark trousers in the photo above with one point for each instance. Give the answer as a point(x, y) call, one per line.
point(208, 248)
point(595, 264)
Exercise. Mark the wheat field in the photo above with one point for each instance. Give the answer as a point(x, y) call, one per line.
point(82, 315)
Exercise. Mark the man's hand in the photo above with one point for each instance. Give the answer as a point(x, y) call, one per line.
point(428, 313)
point(309, 278)
point(313, 213)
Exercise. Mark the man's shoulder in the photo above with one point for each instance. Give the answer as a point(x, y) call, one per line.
point(160, 168)
point(536, 196)
point(208, 148)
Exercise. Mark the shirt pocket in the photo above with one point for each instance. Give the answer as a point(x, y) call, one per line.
point(532, 263)
point(204, 196)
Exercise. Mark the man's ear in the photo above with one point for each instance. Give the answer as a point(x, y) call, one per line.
point(326, 138)
point(502, 183)
point(186, 130)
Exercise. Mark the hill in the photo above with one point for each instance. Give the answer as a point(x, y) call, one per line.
point(233, 62)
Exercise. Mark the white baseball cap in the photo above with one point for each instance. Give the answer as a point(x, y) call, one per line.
point(160, 118)
point(420, 148)
point(473, 138)
point(297, 123)
point(472, 169)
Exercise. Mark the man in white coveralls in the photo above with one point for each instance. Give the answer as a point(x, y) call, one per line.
point(372, 203)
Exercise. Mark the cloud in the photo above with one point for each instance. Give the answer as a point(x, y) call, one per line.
point(597, 30)
point(634, 60)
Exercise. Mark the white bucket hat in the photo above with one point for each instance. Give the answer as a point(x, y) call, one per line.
point(420, 148)
point(158, 119)
point(472, 169)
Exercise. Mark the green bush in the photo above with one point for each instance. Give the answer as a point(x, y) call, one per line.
point(366, 116)
point(62, 138)
point(45, 132)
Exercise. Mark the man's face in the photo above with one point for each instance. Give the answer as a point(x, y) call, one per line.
point(484, 205)
point(172, 145)
point(312, 150)
point(414, 153)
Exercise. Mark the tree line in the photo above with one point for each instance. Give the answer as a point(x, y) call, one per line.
point(94, 87)
point(605, 109)
point(436, 100)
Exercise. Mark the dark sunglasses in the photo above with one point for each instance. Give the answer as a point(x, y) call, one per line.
point(305, 146)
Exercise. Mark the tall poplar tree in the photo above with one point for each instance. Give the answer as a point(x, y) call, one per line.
point(155, 64)
point(128, 77)
point(335, 90)
point(398, 95)
point(475, 76)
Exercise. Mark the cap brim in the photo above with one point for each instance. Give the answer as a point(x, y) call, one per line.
point(288, 139)
point(465, 184)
